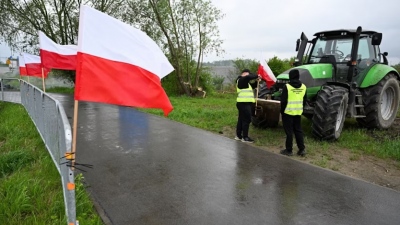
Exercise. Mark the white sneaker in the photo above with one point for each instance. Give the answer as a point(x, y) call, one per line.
point(237, 138)
point(247, 139)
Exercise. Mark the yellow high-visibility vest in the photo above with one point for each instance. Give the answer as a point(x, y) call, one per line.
point(245, 95)
point(295, 100)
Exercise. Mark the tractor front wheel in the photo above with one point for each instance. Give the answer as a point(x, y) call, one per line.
point(330, 112)
point(381, 103)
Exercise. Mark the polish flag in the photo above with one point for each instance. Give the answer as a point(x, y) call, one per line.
point(57, 56)
point(33, 66)
point(119, 64)
point(266, 73)
point(22, 68)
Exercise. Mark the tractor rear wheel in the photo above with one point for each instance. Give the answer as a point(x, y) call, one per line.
point(308, 116)
point(381, 103)
point(330, 112)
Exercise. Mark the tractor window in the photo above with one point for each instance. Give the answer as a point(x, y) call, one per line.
point(318, 51)
point(363, 49)
point(367, 53)
point(338, 47)
point(343, 49)
point(379, 58)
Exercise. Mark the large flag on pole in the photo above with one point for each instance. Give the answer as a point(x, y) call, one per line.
point(34, 66)
point(119, 64)
point(266, 73)
point(57, 56)
point(21, 65)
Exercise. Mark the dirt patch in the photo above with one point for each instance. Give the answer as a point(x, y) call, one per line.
point(383, 172)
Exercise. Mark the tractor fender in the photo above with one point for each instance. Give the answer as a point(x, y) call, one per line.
point(376, 73)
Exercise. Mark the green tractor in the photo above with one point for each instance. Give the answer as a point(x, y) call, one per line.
point(346, 77)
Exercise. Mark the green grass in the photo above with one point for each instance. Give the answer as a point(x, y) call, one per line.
point(218, 113)
point(211, 114)
point(30, 185)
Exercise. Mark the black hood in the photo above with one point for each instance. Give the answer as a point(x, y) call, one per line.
point(294, 76)
point(295, 83)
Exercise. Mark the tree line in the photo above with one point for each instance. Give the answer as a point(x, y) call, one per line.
point(186, 31)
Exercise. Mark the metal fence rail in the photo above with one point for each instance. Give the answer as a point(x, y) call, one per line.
point(50, 119)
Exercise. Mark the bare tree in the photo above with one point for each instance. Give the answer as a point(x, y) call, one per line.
point(58, 19)
point(21, 20)
point(185, 29)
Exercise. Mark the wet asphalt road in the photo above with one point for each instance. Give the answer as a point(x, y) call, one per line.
point(150, 170)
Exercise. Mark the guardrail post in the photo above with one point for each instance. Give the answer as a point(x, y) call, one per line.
point(1, 88)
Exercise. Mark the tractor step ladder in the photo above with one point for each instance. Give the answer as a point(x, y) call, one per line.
point(359, 107)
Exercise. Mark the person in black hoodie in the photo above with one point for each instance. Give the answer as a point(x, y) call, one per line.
point(244, 104)
point(293, 99)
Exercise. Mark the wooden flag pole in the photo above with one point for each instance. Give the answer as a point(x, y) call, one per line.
point(258, 87)
point(44, 86)
point(74, 130)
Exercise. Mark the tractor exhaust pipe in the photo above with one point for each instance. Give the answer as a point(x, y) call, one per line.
point(301, 49)
point(352, 70)
point(354, 55)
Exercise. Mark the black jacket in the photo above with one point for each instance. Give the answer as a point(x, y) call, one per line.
point(244, 81)
point(284, 96)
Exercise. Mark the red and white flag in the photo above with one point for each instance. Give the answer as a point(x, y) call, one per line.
point(119, 64)
point(34, 66)
point(57, 56)
point(21, 64)
point(266, 73)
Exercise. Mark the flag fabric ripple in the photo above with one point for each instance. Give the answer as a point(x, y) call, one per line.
point(57, 56)
point(266, 73)
point(119, 64)
point(22, 68)
point(33, 66)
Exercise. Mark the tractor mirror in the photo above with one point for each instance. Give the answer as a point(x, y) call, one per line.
point(297, 45)
point(385, 54)
point(376, 38)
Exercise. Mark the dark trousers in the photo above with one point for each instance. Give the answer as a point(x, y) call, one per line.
point(244, 118)
point(292, 124)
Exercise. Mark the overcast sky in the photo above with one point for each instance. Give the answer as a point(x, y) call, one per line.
point(4, 51)
point(257, 29)
point(266, 28)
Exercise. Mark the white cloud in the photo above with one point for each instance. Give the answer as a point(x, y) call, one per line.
point(273, 26)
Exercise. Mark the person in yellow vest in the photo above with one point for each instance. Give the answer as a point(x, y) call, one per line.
point(8, 62)
point(244, 103)
point(293, 99)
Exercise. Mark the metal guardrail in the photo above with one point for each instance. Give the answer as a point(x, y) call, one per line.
point(50, 119)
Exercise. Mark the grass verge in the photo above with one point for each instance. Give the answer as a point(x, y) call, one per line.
point(218, 113)
point(30, 185)
point(64, 90)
